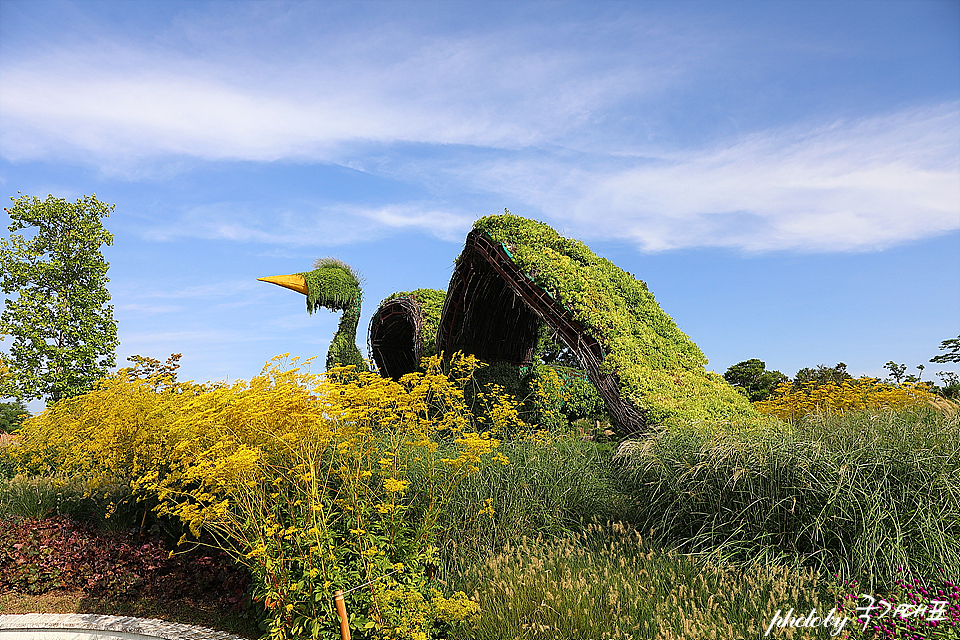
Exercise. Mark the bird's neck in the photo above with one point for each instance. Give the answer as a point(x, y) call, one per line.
point(343, 348)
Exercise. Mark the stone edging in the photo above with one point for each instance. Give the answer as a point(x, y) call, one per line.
point(24, 625)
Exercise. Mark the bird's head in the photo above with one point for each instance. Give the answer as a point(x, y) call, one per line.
point(332, 284)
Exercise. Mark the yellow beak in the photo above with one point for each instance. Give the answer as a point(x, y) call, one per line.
point(295, 282)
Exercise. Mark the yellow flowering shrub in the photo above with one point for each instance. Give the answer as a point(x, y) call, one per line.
point(855, 394)
point(116, 434)
point(314, 482)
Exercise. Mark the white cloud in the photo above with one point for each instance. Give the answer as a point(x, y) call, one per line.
point(847, 186)
point(310, 224)
point(443, 224)
point(125, 103)
point(517, 115)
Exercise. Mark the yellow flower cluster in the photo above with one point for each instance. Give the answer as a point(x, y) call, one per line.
point(392, 485)
point(420, 612)
point(856, 394)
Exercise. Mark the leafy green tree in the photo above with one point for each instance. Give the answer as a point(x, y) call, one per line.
point(12, 415)
point(898, 371)
point(822, 375)
point(953, 355)
point(951, 385)
point(752, 379)
point(64, 334)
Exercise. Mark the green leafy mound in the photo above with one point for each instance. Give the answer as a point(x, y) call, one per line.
point(335, 286)
point(431, 306)
point(659, 369)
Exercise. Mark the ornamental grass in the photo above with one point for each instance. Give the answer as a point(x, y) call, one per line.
point(607, 582)
point(864, 494)
point(553, 484)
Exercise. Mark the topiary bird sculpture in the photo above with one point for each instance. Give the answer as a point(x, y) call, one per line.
point(402, 331)
point(514, 278)
point(333, 285)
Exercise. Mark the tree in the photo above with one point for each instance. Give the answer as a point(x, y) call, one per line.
point(64, 334)
point(752, 379)
point(822, 375)
point(953, 355)
point(951, 385)
point(898, 371)
point(12, 415)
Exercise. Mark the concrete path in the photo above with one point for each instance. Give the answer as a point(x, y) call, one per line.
point(82, 626)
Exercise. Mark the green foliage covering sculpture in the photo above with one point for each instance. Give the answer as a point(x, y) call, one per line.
point(430, 302)
point(332, 285)
point(403, 330)
point(653, 366)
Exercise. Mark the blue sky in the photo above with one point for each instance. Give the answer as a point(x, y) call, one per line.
point(785, 176)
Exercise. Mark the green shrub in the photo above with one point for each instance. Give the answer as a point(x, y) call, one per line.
point(752, 379)
point(582, 401)
point(8, 466)
point(12, 415)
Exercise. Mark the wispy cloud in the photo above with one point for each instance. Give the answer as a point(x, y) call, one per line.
point(489, 89)
point(309, 224)
point(543, 121)
point(848, 185)
point(444, 224)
